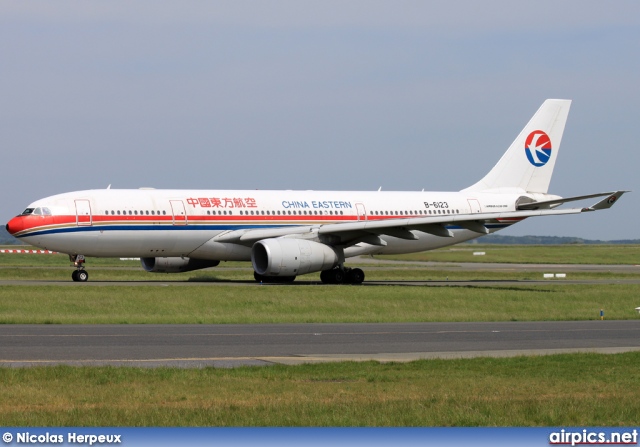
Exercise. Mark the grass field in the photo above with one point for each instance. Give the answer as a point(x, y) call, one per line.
point(530, 254)
point(562, 390)
point(316, 303)
point(519, 254)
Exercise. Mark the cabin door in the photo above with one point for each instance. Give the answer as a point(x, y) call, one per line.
point(179, 212)
point(83, 213)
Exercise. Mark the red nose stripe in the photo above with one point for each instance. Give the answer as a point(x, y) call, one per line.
point(15, 225)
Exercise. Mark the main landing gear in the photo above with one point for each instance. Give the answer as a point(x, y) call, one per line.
point(344, 275)
point(337, 275)
point(79, 274)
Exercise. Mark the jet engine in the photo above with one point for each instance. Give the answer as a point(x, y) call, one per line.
point(175, 265)
point(291, 257)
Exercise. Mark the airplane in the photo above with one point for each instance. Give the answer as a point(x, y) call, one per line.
point(290, 233)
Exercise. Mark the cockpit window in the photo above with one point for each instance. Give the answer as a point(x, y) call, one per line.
point(42, 211)
point(27, 212)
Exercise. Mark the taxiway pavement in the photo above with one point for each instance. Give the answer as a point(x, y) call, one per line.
point(260, 344)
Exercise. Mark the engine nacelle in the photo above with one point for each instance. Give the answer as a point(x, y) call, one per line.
point(291, 257)
point(175, 265)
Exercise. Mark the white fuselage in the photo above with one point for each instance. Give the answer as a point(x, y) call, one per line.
point(167, 223)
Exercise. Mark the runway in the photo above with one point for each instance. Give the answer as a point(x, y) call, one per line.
point(234, 345)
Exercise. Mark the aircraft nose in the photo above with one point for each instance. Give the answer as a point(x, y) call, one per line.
point(15, 225)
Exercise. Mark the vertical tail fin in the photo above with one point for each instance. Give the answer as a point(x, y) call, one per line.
point(528, 163)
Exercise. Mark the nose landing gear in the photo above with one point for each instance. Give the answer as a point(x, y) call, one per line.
point(79, 274)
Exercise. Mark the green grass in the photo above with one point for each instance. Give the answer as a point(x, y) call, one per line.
point(205, 303)
point(530, 254)
point(222, 274)
point(562, 390)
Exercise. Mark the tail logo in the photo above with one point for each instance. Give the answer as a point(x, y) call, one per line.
point(537, 146)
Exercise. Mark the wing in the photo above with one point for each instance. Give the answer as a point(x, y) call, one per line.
point(369, 231)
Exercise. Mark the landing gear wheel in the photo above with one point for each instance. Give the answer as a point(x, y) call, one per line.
point(355, 276)
point(337, 276)
point(80, 275)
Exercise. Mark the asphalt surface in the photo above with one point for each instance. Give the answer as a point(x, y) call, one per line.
point(234, 345)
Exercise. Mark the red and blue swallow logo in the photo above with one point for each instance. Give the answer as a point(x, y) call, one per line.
point(537, 146)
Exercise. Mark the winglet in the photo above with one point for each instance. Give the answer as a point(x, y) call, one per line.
point(607, 202)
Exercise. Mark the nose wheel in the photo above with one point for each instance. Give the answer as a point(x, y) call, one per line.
point(79, 274)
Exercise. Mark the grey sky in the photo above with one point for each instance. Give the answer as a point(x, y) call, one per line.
point(316, 95)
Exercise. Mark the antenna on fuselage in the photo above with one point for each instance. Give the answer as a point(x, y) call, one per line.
point(109, 187)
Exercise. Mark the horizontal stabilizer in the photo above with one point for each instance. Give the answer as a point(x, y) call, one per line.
point(548, 203)
point(607, 202)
